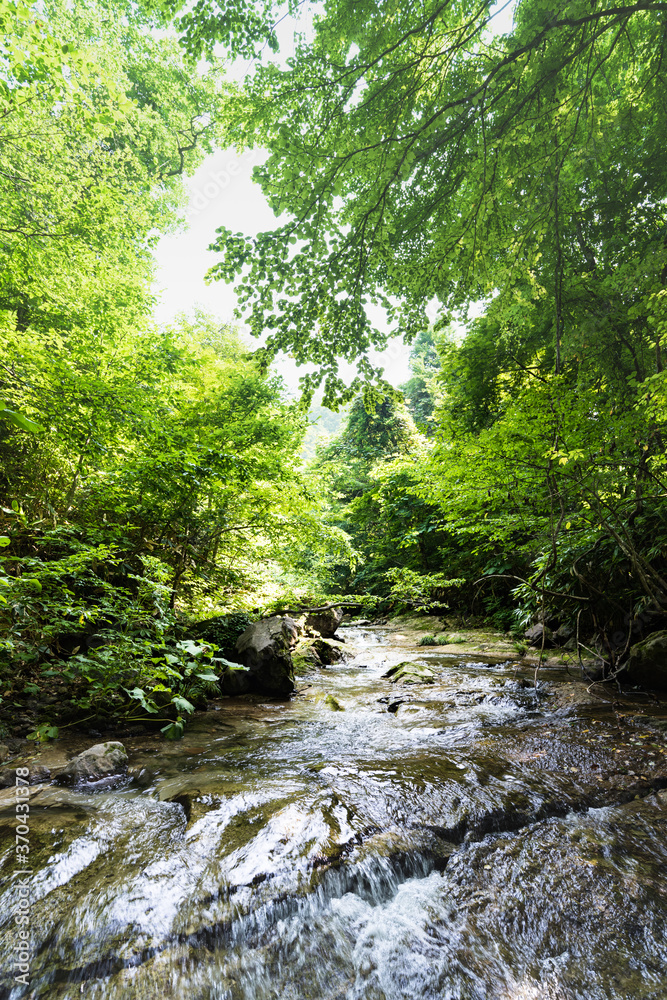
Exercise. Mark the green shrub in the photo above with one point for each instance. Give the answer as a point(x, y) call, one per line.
point(79, 624)
point(222, 631)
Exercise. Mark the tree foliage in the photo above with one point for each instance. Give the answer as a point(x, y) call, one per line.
point(416, 154)
point(145, 471)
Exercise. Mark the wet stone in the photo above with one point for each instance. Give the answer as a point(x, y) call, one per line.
point(410, 673)
point(102, 762)
point(38, 774)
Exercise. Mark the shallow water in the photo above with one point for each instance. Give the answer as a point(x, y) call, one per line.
point(457, 840)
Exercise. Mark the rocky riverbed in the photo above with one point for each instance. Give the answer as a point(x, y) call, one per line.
point(438, 822)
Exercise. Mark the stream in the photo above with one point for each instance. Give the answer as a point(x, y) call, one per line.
point(467, 836)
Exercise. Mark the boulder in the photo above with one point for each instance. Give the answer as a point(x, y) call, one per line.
point(305, 657)
point(647, 663)
point(265, 648)
point(311, 653)
point(563, 634)
point(325, 622)
point(234, 679)
point(410, 673)
point(534, 635)
point(102, 761)
point(331, 651)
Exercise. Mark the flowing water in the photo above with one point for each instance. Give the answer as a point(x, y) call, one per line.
point(469, 837)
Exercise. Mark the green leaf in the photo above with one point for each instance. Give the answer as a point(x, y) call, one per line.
point(43, 733)
point(140, 695)
point(229, 665)
point(174, 731)
point(21, 421)
point(182, 704)
point(191, 647)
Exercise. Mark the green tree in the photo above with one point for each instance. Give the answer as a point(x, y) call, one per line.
point(214, 474)
point(445, 161)
point(372, 433)
point(420, 391)
point(101, 118)
point(386, 524)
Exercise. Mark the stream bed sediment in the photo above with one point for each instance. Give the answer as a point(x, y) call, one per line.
point(468, 832)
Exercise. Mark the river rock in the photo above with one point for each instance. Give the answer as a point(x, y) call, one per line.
point(38, 775)
point(647, 663)
point(104, 760)
point(234, 679)
point(534, 636)
point(563, 634)
point(312, 653)
point(410, 673)
point(570, 694)
point(265, 649)
point(305, 657)
point(331, 651)
point(325, 622)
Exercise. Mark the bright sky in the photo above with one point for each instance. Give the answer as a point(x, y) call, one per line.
point(221, 193)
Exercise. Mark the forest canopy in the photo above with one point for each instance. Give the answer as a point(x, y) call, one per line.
point(418, 155)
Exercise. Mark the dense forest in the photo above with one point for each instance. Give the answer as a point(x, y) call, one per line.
point(421, 163)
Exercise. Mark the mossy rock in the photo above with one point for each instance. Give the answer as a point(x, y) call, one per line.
point(647, 663)
point(309, 654)
point(330, 650)
point(410, 673)
point(305, 657)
